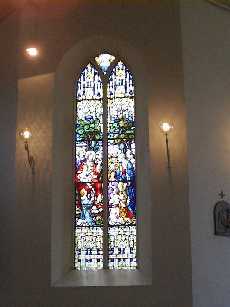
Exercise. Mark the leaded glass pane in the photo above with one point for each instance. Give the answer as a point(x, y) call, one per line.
point(104, 60)
point(90, 145)
point(121, 118)
point(88, 171)
point(120, 82)
point(121, 160)
point(89, 161)
point(122, 203)
point(89, 85)
point(121, 169)
point(89, 204)
point(89, 125)
point(88, 248)
point(122, 247)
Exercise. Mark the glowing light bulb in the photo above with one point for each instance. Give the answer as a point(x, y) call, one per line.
point(166, 127)
point(26, 134)
point(32, 52)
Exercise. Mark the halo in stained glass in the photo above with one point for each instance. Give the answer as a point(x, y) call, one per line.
point(104, 60)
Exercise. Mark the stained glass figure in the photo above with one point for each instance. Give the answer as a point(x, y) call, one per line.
point(89, 204)
point(93, 151)
point(121, 160)
point(104, 60)
point(89, 84)
point(122, 203)
point(89, 161)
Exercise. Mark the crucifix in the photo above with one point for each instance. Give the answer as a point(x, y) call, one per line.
point(221, 194)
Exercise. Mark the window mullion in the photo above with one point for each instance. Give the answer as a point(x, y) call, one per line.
point(105, 176)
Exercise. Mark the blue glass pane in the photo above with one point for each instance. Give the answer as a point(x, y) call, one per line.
point(89, 85)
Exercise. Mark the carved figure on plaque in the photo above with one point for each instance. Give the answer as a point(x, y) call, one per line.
point(222, 217)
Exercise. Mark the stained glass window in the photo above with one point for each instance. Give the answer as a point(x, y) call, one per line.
point(105, 167)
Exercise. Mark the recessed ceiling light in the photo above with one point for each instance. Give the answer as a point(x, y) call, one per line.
point(32, 52)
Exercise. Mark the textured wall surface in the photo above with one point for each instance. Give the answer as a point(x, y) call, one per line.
point(153, 29)
point(206, 48)
point(8, 105)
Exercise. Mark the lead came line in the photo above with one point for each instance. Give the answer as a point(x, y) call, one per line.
point(105, 176)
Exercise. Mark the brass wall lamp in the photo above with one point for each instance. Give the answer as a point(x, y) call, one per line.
point(166, 129)
point(26, 135)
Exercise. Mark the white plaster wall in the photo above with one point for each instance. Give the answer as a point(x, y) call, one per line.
point(206, 48)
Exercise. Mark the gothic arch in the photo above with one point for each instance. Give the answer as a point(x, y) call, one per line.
point(62, 185)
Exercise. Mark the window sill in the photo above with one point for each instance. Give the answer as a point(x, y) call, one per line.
point(103, 278)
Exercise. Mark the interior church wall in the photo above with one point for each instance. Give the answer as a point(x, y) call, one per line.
point(206, 49)
point(8, 104)
point(152, 28)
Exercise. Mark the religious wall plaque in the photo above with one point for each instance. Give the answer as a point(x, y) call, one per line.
point(222, 218)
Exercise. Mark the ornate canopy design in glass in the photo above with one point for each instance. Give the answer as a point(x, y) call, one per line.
point(105, 167)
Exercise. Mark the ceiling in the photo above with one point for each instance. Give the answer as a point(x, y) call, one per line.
point(61, 6)
point(50, 7)
point(6, 7)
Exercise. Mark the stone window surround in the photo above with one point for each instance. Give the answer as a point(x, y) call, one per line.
point(62, 272)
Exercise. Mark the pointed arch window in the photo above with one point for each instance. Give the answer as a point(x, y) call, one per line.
point(105, 166)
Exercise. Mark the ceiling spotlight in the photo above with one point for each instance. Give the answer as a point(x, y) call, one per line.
point(32, 52)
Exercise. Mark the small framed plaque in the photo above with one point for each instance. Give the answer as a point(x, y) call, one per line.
point(222, 218)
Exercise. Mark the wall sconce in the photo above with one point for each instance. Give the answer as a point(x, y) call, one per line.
point(166, 128)
point(26, 135)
